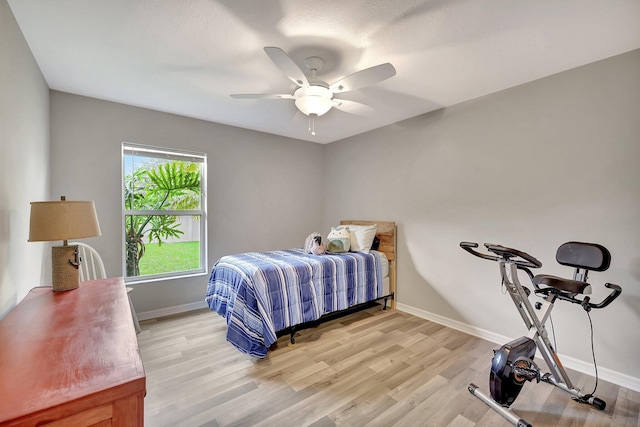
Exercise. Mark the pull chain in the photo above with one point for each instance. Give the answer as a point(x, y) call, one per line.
point(312, 124)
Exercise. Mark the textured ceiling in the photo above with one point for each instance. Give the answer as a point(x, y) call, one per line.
point(187, 56)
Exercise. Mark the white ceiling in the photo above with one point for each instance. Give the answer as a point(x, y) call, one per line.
point(187, 56)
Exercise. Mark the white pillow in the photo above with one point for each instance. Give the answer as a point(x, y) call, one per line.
point(362, 237)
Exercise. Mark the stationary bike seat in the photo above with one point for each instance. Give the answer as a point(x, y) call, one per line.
point(561, 284)
point(587, 256)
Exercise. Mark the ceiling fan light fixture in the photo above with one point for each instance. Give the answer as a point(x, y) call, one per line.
point(314, 100)
point(313, 104)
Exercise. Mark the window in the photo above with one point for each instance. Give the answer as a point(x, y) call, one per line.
point(163, 215)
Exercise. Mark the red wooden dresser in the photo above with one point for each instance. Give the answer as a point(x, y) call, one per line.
point(71, 359)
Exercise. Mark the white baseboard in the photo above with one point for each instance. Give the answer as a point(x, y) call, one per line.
point(168, 311)
point(615, 377)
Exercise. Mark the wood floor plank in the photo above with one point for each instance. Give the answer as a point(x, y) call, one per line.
point(332, 394)
point(626, 413)
point(442, 408)
point(461, 421)
point(402, 414)
point(246, 407)
point(373, 368)
point(363, 409)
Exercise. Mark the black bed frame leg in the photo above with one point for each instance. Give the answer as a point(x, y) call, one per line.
point(291, 338)
point(384, 307)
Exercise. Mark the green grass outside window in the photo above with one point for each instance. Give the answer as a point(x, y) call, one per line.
point(170, 257)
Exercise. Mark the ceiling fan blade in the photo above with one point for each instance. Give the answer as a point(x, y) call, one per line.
point(286, 64)
point(352, 107)
point(363, 78)
point(261, 96)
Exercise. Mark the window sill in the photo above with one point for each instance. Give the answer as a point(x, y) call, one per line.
point(137, 280)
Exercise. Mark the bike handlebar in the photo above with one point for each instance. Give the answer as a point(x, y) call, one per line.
point(617, 290)
point(586, 301)
point(588, 305)
point(502, 254)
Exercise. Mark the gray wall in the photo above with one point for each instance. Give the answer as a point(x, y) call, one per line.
point(530, 167)
point(264, 191)
point(24, 162)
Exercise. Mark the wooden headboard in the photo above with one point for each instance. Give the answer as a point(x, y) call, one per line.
point(386, 233)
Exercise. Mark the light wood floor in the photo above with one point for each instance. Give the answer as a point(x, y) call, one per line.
point(378, 368)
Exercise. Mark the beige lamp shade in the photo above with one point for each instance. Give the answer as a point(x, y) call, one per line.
point(63, 220)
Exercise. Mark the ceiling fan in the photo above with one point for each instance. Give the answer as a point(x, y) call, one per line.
point(314, 97)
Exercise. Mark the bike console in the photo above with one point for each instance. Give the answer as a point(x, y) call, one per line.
point(521, 259)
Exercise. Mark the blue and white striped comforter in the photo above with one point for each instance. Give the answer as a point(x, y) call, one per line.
point(260, 293)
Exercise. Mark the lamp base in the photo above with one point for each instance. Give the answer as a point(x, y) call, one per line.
point(65, 274)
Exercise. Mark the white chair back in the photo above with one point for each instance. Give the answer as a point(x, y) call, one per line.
point(91, 265)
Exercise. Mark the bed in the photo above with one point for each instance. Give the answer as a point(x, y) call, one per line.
point(262, 295)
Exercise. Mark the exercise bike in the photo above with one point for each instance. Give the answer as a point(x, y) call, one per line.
point(513, 364)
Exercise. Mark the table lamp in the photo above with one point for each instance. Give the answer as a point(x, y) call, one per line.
point(63, 220)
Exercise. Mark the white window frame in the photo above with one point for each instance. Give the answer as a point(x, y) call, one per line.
point(168, 154)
